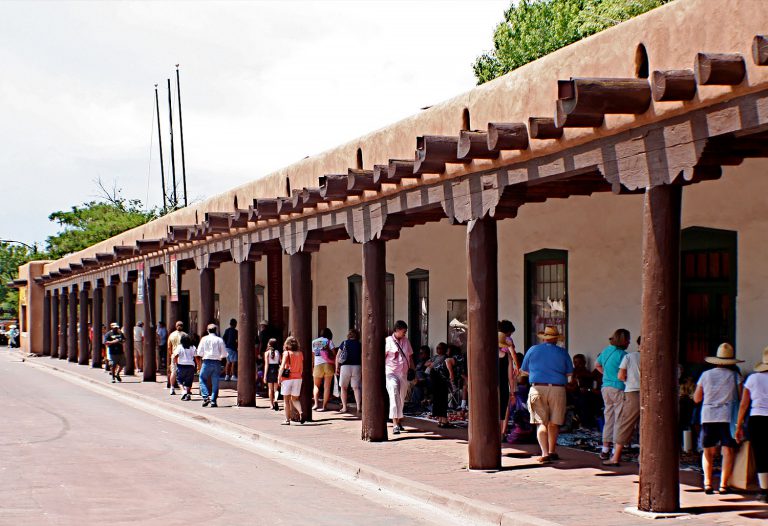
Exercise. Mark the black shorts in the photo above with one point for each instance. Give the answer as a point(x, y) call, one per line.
point(185, 375)
point(717, 434)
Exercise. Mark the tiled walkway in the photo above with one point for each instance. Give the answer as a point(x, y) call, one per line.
point(430, 464)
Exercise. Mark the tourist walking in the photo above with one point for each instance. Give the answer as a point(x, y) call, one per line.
point(211, 350)
point(398, 361)
point(230, 342)
point(289, 377)
point(162, 345)
point(173, 341)
point(349, 369)
point(114, 340)
point(755, 394)
point(548, 366)
point(271, 371)
point(629, 373)
point(185, 359)
point(508, 370)
point(323, 368)
point(718, 390)
point(441, 377)
point(138, 345)
point(613, 389)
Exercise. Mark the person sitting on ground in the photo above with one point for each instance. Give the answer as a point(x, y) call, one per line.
point(580, 391)
point(349, 368)
point(508, 370)
point(323, 368)
point(756, 395)
point(271, 368)
point(114, 340)
point(717, 389)
point(398, 359)
point(184, 356)
point(230, 341)
point(289, 376)
point(548, 367)
point(629, 373)
point(441, 377)
point(460, 373)
point(173, 341)
point(211, 350)
point(613, 389)
point(138, 345)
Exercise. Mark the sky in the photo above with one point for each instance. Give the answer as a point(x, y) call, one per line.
point(263, 84)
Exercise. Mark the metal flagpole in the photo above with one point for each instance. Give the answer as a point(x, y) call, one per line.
point(181, 136)
point(173, 161)
point(160, 139)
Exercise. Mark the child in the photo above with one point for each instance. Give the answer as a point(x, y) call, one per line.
point(184, 357)
point(271, 366)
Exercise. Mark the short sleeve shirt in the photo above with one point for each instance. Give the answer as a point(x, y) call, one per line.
point(719, 386)
point(610, 359)
point(138, 333)
point(757, 383)
point(547, 363)
point(631, 363)
point(394, 361)
point(320, 350)
point(114, 341)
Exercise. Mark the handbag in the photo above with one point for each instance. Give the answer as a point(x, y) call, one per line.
point(342, 356)
point(411, 374)
point(287, 370)
point(734, 417)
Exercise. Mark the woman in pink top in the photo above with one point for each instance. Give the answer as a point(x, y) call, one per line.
point(289, 376)
point(398, 359)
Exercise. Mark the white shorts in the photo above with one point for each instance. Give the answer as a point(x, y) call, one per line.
point(351, 374)
point(291, 387)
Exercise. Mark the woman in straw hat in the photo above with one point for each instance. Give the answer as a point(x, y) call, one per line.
point(756, 394)
point(718, 389)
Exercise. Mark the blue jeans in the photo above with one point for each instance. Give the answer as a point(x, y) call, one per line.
point(210, 372)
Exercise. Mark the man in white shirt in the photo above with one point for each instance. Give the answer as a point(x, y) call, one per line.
point(211, 350)
point(629, 373)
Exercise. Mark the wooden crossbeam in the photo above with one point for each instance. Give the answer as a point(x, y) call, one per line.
point(544, 128)
point(334, 187)
point(760, 50)
point(676, 84)
point(474, 145)
point(720, 69)
point(434, 151)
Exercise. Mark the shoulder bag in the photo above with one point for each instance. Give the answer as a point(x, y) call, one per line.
point(411, 375)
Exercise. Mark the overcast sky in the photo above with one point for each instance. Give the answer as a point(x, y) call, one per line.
point(77, 99)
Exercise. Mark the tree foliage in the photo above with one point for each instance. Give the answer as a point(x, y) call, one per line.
point(12, 256)
point(534, 28)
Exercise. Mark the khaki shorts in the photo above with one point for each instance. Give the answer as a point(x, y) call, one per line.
point(630, 416)
point(546, 404)
point(324, 370)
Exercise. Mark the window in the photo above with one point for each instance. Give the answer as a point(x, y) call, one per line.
point(418, 307)
point(260, 315)
point(163, 309)
point(355, 293)
point(546, 293)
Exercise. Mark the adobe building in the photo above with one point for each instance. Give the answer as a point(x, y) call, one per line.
point(618, 182)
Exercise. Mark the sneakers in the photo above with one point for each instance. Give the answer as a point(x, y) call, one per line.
point(214, 404)
point(227, 378)
point(275, 407)
point(113, 379)
point(118, 377)
point(185, 397)
point(396, 430)
point(233, 378)
point(206, 401)
point(605, 455)
point(173, 391)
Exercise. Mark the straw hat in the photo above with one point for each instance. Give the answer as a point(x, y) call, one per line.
point(550, 334)
point(114, 326)
point(725, 356)
point(763, 366)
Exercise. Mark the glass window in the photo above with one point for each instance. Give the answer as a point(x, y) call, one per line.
point(546, 293)
point(418, 307)
point(355, 305)
point(260, 314)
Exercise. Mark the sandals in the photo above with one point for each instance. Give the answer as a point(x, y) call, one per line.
point(723, 490)
point(285, 423)
point(708, 490)
point(544, 459)
point(610, 463)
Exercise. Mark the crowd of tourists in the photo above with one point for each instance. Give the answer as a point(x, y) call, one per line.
point(544, 385)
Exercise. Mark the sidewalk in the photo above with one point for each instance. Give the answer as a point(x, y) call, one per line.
point(429, 464)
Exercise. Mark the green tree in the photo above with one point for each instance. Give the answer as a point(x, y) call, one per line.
point(534, 28)
point(12, 256)
point(97, 220)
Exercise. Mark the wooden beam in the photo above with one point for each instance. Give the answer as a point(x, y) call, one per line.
point(129, 322)
point(601, 96)
point(434, 151)
point(360, 181)
point(247, 333)
point(720, 69)
point(105, 257)
point(399, 169)
point(83, 340)
point(285, 205)
point(576, 120)
point(334, 187)
point(507, 136)
point(55, 324)
point(217, 222)
point(123, 251)
point(544, 128)
point(47, 298)
point(676, 84)
point(63, 324)
point(474, 145)
point(96, 322)
point(264, 209)
point(301, 321)
point(145, 246)
point(72, 327)
point(311, 197)
point(150, 329)
point(760, 50)
point(239, 218)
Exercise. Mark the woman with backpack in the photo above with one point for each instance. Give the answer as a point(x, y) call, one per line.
point(349, 368)
point(289, 378)
point(271, 369)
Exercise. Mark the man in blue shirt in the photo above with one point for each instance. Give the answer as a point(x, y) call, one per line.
point(548, 367)
point(608, 363)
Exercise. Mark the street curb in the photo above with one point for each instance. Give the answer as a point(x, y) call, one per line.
point(447, 502)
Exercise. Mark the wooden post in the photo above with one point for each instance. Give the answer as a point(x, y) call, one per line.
point(150, 330)
point(246, 366)
point(275, 291)
point(207, 295)
point(55, 324)
point(82, 355)
point(301, 321)
point(47, 324)
point(72, 333)
point(374, 398)
point(659, 456)
point(482, 359)
point(63, 324)
point(110, 304)
point(96, 323)
point(129, 322)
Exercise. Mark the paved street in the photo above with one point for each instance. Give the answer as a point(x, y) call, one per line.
point(71, 456)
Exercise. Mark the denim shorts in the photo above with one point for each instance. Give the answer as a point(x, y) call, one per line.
point(231, 355)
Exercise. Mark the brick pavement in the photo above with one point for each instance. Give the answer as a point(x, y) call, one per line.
point(430, 464)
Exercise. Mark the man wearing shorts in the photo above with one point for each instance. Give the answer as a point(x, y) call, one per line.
point(174, 339)
point(548, 367)
point(230, 341)
point(114, 340)
point(323, 368)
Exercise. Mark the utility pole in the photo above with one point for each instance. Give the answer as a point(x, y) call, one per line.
point(181, 136)
point(160, 140)
point(173, 161)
